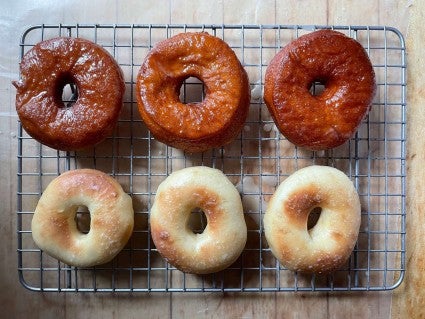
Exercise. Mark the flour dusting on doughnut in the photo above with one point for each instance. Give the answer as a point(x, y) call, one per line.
point(300, 202)
point(328, 244)
point(224, 236)
point(54, 229)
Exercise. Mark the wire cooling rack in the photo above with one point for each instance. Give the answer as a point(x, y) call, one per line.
point(256, 162)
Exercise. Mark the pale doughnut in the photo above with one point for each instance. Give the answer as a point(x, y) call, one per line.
point(54, 229)
point(224, 237)
point(326, 246)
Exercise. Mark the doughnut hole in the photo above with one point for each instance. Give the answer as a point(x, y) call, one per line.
point(317, 87)
point(197, 221)
point(82, 219)
point(192, 90)
point(66, 90)
point(313, 218)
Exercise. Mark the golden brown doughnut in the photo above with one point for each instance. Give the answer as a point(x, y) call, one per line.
point(324, 121)
point(45, 70)
point(326, 246)
point(193, 127)
point(55, 231)
point(224, 237)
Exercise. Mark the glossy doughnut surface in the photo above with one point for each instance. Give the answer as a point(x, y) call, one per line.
point(45, 70)
point(326, 120)
point(193, 127)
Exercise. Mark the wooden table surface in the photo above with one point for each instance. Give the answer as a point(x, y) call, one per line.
point(405, 302)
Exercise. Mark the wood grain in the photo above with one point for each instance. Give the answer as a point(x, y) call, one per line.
point(409, 299)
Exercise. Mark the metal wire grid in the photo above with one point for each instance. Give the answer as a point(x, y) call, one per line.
point(256, 163)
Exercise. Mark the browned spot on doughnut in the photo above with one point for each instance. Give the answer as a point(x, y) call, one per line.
point(199, 197)
point(61, 232)
point(338, 237)
point(164, 243)
point(106, 223)
point(299, 204)
point(95, 185)
point(286, 252)
point(208, 201)
point(160, 236)
point(164, 235)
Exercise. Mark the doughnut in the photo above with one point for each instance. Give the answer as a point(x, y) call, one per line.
point(225, 234)
point(193, 127)
point(45, 70)
point(326, 120)
point(54, 228)
point(328, 244)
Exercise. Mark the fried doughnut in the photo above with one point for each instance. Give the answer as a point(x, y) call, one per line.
point(327, 120)
point(193, 127)
point(54, 228)
point(224, 237)
point(45, 70)
point(326, 246)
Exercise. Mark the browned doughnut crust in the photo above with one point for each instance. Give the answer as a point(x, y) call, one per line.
point(54, 229)
point(327, 120)
point(326, 246)
point(45, 70)
point(193, 127)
